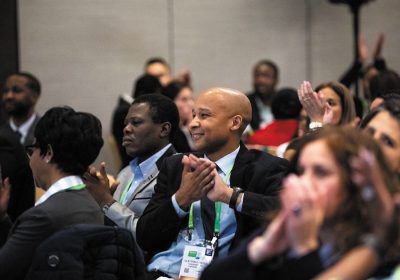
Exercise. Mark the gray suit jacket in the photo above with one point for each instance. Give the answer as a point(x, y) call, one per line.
point(126, 215)
point(38, 223)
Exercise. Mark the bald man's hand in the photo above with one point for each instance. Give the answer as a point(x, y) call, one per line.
point(197, 179)
point(220, 191)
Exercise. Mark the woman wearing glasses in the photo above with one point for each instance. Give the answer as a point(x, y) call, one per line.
point(66, 143)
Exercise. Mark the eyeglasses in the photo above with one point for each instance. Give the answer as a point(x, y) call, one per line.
point(29, 149)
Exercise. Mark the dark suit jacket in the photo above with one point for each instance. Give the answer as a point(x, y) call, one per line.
point(258, 173)
point(38, 223)
point(15, 165)
point(30, 137)
point(255, 118)
point(238, 266)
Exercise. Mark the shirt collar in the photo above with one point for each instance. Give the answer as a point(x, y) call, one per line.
point(148, 166)
point(225, 163)
point(23, 128)
point(60, 185)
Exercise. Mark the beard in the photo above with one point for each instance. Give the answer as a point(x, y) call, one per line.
point(17, 109)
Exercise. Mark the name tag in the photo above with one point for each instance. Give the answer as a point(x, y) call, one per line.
point(195, 259)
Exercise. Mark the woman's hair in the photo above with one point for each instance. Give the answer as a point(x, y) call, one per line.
point(74, 137)
point(350, 221)
point(346, 100)
point(173, 89)
point(391, 105)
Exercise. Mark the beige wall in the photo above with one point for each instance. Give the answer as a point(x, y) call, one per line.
point(87, 52)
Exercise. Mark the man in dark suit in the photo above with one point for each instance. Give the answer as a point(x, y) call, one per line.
point(265, 79)
point(243, 183)
point(149, 124)
point(20, 95)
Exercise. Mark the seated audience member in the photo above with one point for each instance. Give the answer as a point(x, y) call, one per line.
point(14, 165)
point(217, 199)
point(20, 95)
point(182, 96)
point(334, 176)
point(66, 143)
point(145, 84)
point(265, 80)
point(331, 103)
point(286, 109)
point(149, 124)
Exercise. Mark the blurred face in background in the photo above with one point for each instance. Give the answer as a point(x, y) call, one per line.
point(317, 167)
point(184, 102)
point(161, 71)
point(329, 96)
point(18, 98)
point(264, 80)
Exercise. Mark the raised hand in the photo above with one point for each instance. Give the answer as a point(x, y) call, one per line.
point(368, 177)
point(98, 184)
point(305, 206)
point(271, 243)
point(312, 103)
point(220, 191)
point(197, 180)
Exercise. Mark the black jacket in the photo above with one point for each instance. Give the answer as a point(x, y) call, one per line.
point(88, 252)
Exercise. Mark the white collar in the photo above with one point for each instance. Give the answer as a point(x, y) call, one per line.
point(23, 128)
point(61, 185)
point(226, 163)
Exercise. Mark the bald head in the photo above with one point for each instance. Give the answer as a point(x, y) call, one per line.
point(230, 101)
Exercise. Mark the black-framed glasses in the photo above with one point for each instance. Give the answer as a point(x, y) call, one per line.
point(29, 149)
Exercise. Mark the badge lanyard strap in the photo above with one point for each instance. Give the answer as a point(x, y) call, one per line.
point(77, 187)
point(217, 222)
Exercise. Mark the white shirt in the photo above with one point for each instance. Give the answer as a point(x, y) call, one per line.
point(23, 128)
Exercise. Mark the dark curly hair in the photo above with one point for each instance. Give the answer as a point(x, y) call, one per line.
point(74, 137)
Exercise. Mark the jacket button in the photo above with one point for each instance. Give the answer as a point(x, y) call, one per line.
point(53, 260)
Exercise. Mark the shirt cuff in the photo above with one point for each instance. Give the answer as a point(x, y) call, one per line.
point(181, 213)
point(240, 205)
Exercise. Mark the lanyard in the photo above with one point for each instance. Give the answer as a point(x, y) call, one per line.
point(122, 198)
point(217, 222)
point(77, 187)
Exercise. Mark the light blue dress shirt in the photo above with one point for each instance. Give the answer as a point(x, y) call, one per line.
point(142, 171)
point(169, 261)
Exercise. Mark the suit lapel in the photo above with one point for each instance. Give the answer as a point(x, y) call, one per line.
point(149, 179)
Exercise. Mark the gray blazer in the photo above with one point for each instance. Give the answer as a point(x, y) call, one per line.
point(126, 215)
point(38, 223)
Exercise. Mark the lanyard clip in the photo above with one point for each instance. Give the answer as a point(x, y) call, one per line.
point(214, 241)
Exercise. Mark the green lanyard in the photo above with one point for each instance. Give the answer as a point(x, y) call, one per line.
point(125, 192)
point(217, 222)
point(77, 187)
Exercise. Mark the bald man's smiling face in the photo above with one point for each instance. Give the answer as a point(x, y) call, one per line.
point(210, 127)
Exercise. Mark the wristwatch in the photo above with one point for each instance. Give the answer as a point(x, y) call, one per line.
point(314, 125)
point(106, 206)
point(234, 197)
